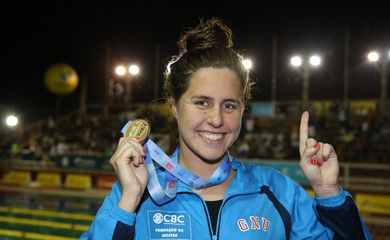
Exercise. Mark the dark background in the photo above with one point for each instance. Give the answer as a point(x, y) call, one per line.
point(37, 35)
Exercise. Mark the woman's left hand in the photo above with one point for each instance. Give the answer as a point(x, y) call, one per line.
point(319, 162)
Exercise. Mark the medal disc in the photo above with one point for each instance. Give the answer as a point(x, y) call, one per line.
point(139, 129)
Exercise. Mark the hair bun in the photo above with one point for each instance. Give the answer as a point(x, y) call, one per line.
point(210, 33)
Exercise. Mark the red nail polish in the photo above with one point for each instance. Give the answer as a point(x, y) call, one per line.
point(317, 145)
point(313, 161)
point(319, 164)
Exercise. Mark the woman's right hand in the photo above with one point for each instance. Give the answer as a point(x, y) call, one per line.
point(128, 163)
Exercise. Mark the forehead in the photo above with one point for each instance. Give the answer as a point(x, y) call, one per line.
point(214, 81)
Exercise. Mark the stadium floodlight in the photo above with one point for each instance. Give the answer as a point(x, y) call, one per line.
point(120, 70)
point(296, 61)
point(247, 63)
point(134, 69)
point(373, 56)
point(127, 74)
point(315, 60)
point(11, 120)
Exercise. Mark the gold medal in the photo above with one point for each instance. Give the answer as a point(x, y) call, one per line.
point(138, 129)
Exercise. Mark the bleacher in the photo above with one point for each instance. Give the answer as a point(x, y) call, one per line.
point(68, 158)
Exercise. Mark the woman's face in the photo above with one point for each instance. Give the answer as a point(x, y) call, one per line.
point(209, 113)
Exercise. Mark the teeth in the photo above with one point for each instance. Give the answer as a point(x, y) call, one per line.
point(211, 136)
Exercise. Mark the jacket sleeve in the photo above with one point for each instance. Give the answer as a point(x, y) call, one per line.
point(111, 222)
point(340, 214)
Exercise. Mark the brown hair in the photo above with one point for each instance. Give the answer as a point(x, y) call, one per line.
point(207, 45)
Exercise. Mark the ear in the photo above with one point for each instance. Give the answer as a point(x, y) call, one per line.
point(173, 105)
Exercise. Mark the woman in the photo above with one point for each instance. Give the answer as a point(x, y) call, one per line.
point(207, 88)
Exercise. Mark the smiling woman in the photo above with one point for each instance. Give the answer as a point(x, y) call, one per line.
point(202, 192)
point(209, 118)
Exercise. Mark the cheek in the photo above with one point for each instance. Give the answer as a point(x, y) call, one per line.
point(191, 116)
point(233, 121)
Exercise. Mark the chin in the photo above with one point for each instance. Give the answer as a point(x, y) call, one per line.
point(211, 156)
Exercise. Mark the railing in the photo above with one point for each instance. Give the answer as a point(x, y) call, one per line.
point(356, 177)
point(362, 177)
point(367, 177)
point(368, 182)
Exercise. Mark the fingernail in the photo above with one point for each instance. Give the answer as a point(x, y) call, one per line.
point(313, 161)
point(319, 164)
point(317, 145)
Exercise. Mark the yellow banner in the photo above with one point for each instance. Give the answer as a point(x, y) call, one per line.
point(51, 180)
point(78, 181)
point(17, 177)
point(373, 203)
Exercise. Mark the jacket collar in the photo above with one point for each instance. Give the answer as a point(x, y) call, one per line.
point(241, 184)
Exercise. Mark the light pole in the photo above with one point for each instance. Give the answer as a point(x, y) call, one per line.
point(11, 131)
point(132, 70)
point(375, 57)
point(314, 61)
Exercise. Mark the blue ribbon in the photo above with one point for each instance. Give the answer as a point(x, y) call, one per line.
point(174, 172)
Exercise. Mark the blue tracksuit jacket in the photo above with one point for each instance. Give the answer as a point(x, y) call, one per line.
point(260, 203)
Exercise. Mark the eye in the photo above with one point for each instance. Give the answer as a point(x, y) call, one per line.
point(230, 106)
point(202, 103)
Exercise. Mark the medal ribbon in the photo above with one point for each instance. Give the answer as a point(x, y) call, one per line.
point(174, 172)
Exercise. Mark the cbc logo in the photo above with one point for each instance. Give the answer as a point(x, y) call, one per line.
point(168, 218)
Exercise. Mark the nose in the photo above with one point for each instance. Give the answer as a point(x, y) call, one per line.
point(215, 117)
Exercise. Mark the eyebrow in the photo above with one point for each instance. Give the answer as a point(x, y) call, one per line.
point(201, 97)
point(210, 98)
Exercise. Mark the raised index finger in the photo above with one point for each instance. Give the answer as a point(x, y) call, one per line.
point(303, 131)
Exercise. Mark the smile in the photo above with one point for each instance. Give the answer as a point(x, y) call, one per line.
point(211, 136)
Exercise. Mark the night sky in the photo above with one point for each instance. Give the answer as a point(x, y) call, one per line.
point(36, 36)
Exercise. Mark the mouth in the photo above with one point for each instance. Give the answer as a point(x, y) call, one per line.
point(211, 137)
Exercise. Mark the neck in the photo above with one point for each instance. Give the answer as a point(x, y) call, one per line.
point(198, 166)
point(216, 192)
point(204, 168)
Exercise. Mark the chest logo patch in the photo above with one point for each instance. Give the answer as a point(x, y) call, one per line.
point(253, 223)
point(169, 225)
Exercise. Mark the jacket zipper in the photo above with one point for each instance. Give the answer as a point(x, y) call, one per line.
point(208, 217)
point(216, 237)
point(219, 217)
